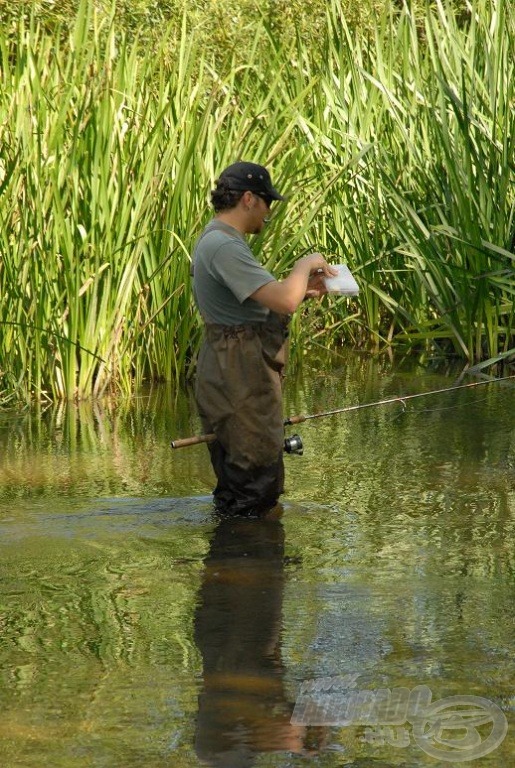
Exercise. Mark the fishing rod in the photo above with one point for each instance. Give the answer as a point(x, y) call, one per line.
point(294, 443)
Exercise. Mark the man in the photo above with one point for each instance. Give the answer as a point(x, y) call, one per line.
point(246, 313)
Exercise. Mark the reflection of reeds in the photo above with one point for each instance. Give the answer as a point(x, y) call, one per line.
point(397, 153)
point(83, 643)
point(103, 448)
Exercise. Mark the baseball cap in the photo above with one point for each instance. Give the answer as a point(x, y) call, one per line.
point(252, 177)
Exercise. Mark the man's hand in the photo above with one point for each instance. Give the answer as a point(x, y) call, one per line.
point(305, 280)
point(316, 284)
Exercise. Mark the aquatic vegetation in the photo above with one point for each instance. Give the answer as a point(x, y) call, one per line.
point(396, 153)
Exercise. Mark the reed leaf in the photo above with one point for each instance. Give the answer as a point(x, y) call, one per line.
point(396, 151)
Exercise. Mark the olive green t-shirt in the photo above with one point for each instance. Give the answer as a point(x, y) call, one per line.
point(225, 274)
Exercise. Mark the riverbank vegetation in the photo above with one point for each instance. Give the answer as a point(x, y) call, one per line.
point(393, 135)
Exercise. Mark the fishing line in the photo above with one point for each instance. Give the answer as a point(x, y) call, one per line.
point(452, 407)
point(295, 440)
point(436, 410)
point(399, 399)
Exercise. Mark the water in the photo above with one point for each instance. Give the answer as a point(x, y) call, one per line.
point(136, 629)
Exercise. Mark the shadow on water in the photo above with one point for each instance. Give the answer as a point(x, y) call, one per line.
point(244, 709)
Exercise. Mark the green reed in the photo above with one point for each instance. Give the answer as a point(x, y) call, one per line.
point(428, 222)
point(396, 152)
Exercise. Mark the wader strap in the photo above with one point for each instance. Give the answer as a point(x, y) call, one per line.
point(215, 332)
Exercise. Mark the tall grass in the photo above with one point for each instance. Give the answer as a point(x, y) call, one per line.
point(92, 156)
point(428, 223)
point(397, 154)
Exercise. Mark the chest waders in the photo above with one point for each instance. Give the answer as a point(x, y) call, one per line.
point(239, 398)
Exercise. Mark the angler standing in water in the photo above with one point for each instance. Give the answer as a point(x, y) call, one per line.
point(246, 312)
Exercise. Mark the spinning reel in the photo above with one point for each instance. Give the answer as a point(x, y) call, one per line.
point(294, 445)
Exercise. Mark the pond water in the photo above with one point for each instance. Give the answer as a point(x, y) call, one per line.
point(136, 629)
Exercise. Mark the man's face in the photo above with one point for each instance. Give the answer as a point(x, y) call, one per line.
point(259, 212)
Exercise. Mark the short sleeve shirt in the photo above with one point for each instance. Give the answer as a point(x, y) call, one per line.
point(225, 275)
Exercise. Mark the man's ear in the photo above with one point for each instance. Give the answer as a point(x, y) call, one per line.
point(247, 199)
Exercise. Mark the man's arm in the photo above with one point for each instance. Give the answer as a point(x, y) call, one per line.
point(284, 296)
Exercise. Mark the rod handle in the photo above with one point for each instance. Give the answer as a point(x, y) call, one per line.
point(185, 442)
point(294, 420)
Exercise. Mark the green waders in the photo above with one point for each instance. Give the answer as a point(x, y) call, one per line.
point(239, 397)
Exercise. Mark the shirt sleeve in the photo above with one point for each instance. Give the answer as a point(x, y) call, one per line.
point(234, 266)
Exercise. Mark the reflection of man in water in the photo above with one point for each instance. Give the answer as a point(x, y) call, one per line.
point(243, 710)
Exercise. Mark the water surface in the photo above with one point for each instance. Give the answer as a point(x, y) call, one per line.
point(138, 629)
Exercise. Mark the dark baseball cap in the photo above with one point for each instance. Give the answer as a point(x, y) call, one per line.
point(249, 176)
